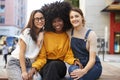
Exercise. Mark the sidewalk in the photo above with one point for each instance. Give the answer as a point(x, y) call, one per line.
point(112, 59)
point(111, 67)
point(111, 62)
point(3, 73)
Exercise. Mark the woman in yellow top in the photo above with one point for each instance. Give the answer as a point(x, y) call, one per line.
point(56, 45)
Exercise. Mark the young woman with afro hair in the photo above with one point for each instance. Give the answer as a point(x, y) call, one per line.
point(56, 44)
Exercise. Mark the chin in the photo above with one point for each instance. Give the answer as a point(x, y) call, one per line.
point(75, 26)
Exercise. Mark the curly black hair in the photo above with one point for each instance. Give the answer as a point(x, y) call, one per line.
point(54, 10)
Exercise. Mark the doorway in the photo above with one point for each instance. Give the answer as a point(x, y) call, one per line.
point(117, 43)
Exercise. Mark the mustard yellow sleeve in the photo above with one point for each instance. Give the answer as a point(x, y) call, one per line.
point(69, 57)
point(41, 59)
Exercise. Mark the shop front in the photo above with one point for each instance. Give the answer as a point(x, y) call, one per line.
point(114, 43)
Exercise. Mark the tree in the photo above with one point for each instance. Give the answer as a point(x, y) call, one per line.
point(75, 3)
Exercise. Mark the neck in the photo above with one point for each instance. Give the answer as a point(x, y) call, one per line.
point(37, 31)
point(58, 32)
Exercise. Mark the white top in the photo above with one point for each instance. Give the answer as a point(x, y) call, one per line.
point(4, 50)
point(32, 50)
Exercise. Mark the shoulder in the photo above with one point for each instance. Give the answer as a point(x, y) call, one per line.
point(25, 34)
point(69, 32)
point(91, 32)
point(47, 33)
point(92, 35)
point(26, 31)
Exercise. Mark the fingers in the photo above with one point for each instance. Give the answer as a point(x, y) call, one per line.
point(31, 73)
point(79, 64)
point(74, 77)
point(25, 76)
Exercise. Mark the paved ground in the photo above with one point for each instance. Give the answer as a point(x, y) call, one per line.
point(108, 59)
point(2, 69)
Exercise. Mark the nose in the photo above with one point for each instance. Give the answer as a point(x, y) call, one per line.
point(39, 20)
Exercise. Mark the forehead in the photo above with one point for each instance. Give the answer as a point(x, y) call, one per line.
point(38, 14)
point(74, 12)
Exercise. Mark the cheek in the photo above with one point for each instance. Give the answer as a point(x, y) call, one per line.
point(71, 21)
point(34, 23)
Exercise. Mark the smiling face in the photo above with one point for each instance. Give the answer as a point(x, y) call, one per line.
point(39, 20)
point(58, 24)
point(76, 19)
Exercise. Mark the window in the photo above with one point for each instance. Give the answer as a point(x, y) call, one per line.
point(2, 8)
point(2, 19)
point(117, 43)
point(117, 17)
point(2, 0)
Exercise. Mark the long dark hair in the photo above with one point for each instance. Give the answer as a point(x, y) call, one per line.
point(32, 26)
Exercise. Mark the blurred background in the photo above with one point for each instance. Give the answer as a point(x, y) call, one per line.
point(103, 16)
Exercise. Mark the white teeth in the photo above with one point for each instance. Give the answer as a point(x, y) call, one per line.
point(58, 27)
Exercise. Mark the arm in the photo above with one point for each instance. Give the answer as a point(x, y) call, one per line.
point(92, 56)
point(22, 58)
point(92, 45)
point(39, 62)
point(41, 59)
point(69, 57)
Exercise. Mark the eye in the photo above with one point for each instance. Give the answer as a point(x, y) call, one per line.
point(37, 19)
point(76, 16)
point(71, 17)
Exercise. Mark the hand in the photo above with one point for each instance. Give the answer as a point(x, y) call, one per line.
point(25, 75)
point(77, 74)
point(77, 62)
point(31, 73)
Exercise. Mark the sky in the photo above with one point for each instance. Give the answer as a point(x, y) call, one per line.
point(36, 4)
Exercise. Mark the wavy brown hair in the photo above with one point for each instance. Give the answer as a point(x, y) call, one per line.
point(32, 26)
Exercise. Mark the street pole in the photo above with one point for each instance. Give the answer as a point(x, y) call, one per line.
point(105, 37)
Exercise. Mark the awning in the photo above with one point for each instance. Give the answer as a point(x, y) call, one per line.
point(114, 7)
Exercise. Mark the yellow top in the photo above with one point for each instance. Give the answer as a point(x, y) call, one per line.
point(55, 46)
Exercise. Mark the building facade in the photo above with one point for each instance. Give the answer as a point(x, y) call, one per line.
point(12, 20)
point(12, 16)
point(114, 10)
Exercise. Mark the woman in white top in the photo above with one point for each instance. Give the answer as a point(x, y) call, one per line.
point(28, 47)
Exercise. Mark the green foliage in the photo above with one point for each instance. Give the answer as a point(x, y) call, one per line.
point(74, 3)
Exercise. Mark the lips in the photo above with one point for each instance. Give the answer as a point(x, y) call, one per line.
point(58, 27)
point(74, 22)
